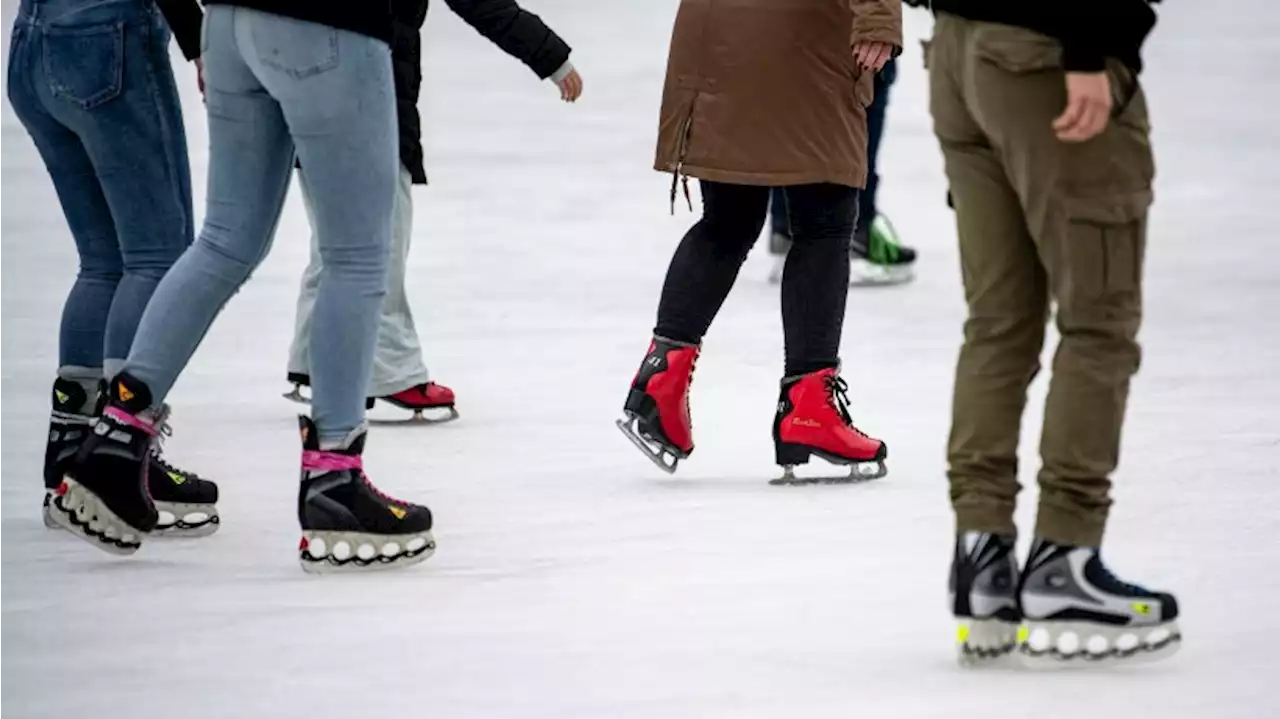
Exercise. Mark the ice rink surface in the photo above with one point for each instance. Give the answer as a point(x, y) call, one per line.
point(573, 579)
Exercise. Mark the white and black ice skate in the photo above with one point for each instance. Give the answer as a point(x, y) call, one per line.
point(1077, 612)
point(347, 523)
point(984, 596)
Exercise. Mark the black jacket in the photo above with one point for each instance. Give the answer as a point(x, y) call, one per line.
point(519, 33)
point(1090, 30)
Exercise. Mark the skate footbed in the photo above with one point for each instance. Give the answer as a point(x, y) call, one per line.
point(355, 551)
point(1086, 642)
point(80, 512)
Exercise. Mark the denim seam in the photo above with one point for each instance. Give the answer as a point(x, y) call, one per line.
point(166, 132)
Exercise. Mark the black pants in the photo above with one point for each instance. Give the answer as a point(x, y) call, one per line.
point(815, 281)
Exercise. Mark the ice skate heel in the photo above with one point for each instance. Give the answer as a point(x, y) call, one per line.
point(347, 523)
point(656, 413)
point(813, 420)
point(983, 585)
point(1079, 614)
point(298, 380)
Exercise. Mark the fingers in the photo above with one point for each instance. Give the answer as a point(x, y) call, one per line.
point(1066, 123)
point(1084, 119)
point(872, 55)
point(571, 87)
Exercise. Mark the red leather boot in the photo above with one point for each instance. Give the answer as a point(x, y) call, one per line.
point(657, 408)
point(813, 419)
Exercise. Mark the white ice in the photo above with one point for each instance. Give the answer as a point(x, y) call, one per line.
point(573, 579)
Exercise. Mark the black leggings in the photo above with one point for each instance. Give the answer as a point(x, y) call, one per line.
point(815, 281)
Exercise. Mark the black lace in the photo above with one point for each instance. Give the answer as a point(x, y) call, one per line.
point(839, 398)
point(1107, 574)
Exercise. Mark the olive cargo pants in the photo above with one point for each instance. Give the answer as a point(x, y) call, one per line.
point(1039, 221)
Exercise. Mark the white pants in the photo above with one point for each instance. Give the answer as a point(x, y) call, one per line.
point(397, 362)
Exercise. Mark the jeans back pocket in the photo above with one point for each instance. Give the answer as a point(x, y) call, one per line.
point(298, 49)
point(85, 65)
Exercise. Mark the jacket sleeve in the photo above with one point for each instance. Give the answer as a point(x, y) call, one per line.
point(184, 18)
point(877, 21)
point(519, 33)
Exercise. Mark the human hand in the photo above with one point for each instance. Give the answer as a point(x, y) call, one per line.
point(872, 55)
point(570, 86)
point(1088, 107)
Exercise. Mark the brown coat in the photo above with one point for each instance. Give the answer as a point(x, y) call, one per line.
point(767, 92)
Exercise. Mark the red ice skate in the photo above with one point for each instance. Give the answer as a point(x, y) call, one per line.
point(423, 397)
point(813, 419)
point(657, 408)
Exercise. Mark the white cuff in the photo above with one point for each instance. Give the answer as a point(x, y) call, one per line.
point(563, 72)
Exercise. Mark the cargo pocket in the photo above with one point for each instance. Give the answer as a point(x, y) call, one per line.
point(298, 49)
point(1102, 256)
point(85, 65)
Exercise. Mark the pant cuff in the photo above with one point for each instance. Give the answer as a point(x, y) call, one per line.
point(995, 520)
point(1069, 529)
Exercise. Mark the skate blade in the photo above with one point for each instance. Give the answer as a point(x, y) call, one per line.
point(80, 512)
point(295, 395)
point(863, 273)
point(665, 459)
point(859, 472)
point(181, 520)
point(985, 642)
point(421, 415)
point(1062, 645)
point(343, 552)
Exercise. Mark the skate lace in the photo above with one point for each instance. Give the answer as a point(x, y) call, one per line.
point(1111, 577)
point(838, 398)
point(320, 461)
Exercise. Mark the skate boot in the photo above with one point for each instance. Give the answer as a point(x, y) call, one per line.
point(1078, 612)
point(300, 380)
point(813, 419)
point(347, 524)
point(984, 596)
point(877, 258)
point(70, 422)
point(425, 397)
point(103, 497)
point(657, 408)
point(186, 502)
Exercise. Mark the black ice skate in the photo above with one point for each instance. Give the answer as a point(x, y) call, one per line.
point(70, 423)
point(187, 503)
point(300, 380)
point(103, 496)
point(347, 524)
point(984, 596)
point(1077, 611)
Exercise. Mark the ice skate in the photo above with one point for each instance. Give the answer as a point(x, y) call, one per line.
point(656, 413)
point(431, 403)
point(878, 259)
point(103, 497)
point(1077, 612)
point(187, 503)
point(347, 523)
point(298, 380)
point(983, 586)
point(813, 419)
point(70, 424)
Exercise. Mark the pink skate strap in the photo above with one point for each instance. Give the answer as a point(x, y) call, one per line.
point(132, 420)
point(317, 461)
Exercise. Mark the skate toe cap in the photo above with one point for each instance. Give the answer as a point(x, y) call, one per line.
point(1168, 607)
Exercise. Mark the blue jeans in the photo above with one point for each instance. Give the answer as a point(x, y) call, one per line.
point(875, 131)
point(90, 81)
point(273, 85)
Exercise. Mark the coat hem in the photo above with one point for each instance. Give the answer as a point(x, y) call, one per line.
point(767, 179)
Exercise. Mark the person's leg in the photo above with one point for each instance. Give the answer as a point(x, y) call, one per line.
point(335, 90)
point(707, 261)
point(397, 361)
point(250, 154)
point(815, 281)
point(300, 347)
